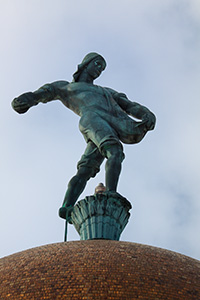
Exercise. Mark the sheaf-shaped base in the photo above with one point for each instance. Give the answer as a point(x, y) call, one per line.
point(101, 216)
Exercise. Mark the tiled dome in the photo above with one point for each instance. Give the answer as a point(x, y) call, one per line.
point(99, 269)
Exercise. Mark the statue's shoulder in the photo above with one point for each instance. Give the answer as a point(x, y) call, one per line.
point(111, 91)
point(60, 83)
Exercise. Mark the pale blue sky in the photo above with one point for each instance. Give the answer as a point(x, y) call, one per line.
point(152, 52)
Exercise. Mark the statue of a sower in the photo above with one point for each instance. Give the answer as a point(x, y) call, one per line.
point(104, 123)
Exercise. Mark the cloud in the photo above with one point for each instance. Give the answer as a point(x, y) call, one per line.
point(152, 50)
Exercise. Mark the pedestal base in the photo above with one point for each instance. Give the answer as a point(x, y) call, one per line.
point(101, 216)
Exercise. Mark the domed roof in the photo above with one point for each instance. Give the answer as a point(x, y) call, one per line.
point(99, 269)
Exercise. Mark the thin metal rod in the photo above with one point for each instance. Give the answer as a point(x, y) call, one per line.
point(66, 224)
point(65, 236)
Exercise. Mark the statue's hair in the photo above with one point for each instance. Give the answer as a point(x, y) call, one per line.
point(87, 59)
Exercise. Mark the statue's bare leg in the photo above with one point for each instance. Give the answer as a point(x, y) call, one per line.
point(88, 166)
point(75, 187)
point(115, 157)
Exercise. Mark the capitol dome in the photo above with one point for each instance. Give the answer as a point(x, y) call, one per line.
point(99, 269)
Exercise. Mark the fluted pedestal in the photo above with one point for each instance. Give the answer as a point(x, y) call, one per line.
point(101, 216)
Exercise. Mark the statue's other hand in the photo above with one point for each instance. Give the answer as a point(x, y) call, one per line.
point(22, 103)
point(150, 120)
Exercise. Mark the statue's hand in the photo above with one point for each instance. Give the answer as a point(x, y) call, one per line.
point(22, 103)
point(150, 120)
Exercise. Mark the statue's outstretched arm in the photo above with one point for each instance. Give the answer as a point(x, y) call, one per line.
point(44, 94)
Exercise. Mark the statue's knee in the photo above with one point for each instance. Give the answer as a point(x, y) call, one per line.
point(119, 156)
point(87, 172)
point(115, 151)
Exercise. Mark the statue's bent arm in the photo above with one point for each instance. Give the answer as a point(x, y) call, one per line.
point(141, 112)
point(134, 109)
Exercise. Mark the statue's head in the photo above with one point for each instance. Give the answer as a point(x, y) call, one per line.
point(98, 60)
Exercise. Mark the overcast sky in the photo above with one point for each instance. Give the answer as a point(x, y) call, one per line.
point(152, 49)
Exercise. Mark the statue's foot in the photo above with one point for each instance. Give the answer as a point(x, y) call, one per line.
point(65, 213)
point(114, 194)
point(119, 196)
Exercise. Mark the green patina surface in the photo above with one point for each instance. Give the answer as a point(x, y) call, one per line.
point(105, 122)
point(101, 216)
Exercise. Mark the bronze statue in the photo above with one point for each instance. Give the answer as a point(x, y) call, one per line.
point(104, 123)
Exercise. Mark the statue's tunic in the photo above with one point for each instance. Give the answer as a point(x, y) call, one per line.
point(103, 120)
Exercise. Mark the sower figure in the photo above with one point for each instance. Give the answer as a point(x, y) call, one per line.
point(104, 123)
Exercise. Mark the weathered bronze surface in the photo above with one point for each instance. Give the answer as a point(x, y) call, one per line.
point(101, 216)
point(104, 123)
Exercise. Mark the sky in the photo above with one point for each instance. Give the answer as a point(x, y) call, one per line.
point(152, 53)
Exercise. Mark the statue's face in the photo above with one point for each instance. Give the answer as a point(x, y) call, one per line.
point(95, 67)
